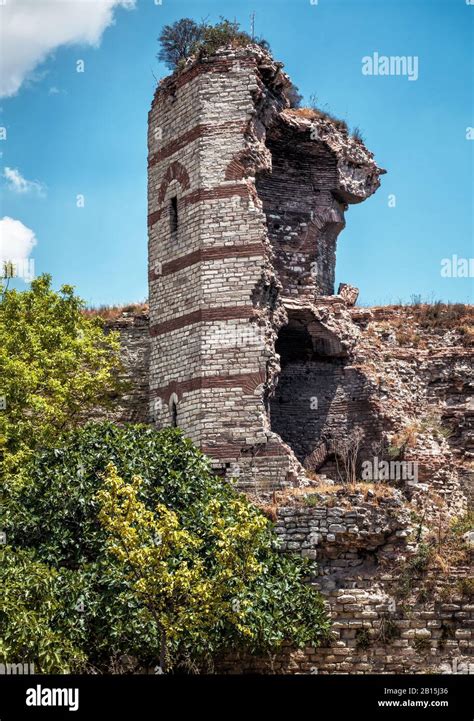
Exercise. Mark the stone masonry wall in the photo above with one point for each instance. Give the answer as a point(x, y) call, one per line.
point(133, 405)
point(392, 611)
point(244, 206)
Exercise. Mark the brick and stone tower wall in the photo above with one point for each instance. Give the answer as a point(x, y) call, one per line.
point(245, 201)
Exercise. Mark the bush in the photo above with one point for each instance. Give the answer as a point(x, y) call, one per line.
point(179, 41)
point(38, 618)
point(294, 96)
point(59, 514)
point(55, 366)
point(185, 38)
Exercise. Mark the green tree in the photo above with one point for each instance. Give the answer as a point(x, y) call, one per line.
point(38, 619)
point(164, 555)
point(178, 41)
point(167, 564)
point(185, 38)
point(56, 364)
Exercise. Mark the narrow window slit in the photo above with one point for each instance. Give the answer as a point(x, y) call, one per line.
point(174, 414)
point(174, 214)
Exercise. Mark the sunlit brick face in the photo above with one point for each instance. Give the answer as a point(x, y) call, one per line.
point(244, 210)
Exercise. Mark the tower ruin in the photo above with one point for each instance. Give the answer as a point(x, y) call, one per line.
point(246, 198)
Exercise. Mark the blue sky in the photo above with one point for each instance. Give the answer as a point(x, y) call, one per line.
point(71, 134)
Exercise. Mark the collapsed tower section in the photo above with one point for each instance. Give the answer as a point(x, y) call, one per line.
point(246, 198)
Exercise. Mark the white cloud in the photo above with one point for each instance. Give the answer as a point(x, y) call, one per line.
point(31, 30)
point(16, 240)
point(19, 184)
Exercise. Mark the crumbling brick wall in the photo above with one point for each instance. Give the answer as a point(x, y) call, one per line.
point(133, 403)
point(388, 391)
point(390, 615)
point(319, 400)
point(303, 216)
point(365, 540)
point(245, 199)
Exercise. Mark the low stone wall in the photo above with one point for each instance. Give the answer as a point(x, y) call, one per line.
point(133, 406)
point(392, 611)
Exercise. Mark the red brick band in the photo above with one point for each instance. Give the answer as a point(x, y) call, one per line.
point(197, 196)
point(247, 381)
point(176, 171)
point(204, 315)
point(218, 252)
point(222, 191)
point(215, 66)
point(199, 131)
point(236, 451)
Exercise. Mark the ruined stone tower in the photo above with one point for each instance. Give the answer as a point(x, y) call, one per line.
point(246, 198)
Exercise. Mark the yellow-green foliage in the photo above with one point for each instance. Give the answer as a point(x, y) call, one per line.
point(55, 364)
point(170, 563)
point(166, 563)
point(37, 616)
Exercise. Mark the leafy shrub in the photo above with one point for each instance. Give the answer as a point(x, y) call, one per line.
point(414, 570)
point(38, 620)
point(179, 41)
point(222, 34)
point(421, 560)
point(55, 366)
point(59, 513)
point(462, 525)
point(185, 38)
point(363, 639)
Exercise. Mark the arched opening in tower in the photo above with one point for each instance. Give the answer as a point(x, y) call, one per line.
point(174, 415)
point(319, 397)
point(311, 371)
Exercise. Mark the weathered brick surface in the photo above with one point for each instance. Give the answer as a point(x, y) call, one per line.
point(361, 551)
point(242, 168)
point(133, 405)
point(269, 370)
